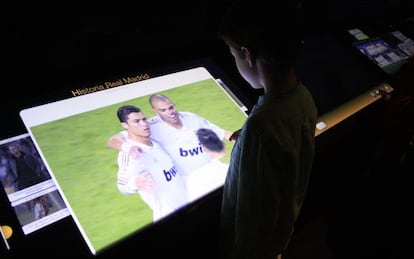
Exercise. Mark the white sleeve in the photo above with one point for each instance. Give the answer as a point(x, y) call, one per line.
point(218, 130)
point(196, 121)
point(126, 176)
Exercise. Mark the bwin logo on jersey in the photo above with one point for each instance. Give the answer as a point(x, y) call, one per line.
point(170, 173)
point(191, 152)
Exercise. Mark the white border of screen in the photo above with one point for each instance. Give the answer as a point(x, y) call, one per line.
point(64, 108)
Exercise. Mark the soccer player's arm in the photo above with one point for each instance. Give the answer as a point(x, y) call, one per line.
point(223, 134)
point(116, 141)
point(128, 180)
point(133, 184)
point(125, 177)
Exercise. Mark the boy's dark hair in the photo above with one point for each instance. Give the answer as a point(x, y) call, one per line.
point(125, 110)
point(209, 139)
point(271, 29)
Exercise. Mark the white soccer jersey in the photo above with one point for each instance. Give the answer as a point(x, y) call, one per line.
point(206, 179)
point(182, 144)
point(169, 187)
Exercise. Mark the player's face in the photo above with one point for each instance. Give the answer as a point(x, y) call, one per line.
point(138, 125)
point(167, 111)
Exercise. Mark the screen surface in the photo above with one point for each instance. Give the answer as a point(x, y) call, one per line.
point(71, 137)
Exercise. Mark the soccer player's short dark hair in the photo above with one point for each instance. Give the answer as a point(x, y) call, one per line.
point(209, 139)
point(125, 110)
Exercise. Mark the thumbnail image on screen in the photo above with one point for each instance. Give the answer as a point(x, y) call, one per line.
point(29, 187)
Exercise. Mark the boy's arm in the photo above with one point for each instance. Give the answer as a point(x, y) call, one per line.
point(232, 136)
